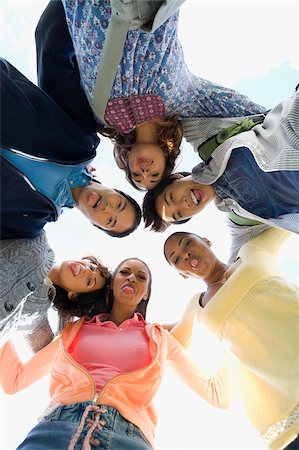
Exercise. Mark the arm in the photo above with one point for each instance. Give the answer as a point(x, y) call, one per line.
point(214, 100)
point(241, 234)
point(182, 331)
point(40, 337)
point(54, 135)
point(270, 240)
point(168, 326)
point(214, 389)
point(15, 376)
point(57, 68)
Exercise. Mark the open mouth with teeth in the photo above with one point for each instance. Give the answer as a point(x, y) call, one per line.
point(95, 200)
point(196, 196)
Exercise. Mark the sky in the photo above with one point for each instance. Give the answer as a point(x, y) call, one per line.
point(250, 46)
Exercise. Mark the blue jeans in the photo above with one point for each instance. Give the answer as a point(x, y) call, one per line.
point(57, 429)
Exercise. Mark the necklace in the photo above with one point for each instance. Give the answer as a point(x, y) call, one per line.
point(222, 281)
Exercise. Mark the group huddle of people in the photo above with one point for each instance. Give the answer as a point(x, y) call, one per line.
point(106, 362)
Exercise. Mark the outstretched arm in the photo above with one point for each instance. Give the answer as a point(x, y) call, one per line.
point(43, 128)
point(15, 376)
point(57, 68)
point(40, 337)
point(183, 329)
point(214, 389)
point(241, 234)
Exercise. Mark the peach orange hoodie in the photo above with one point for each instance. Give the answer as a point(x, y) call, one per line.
point(131, 393)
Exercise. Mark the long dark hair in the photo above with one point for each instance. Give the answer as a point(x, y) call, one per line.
point(85, 304)
point(142, 306)
point(169, 138)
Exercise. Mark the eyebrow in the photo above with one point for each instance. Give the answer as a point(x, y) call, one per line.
point(129, 268)
point(172, 253)
point(165, 199)
point(123, 207)
point(94, 279)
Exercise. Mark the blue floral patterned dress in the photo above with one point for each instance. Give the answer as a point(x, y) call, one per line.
point(152, 80)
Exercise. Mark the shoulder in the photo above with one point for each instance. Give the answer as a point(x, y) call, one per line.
point(31, 245)
point(268, 241)
point(242, 234)
point(26, 256)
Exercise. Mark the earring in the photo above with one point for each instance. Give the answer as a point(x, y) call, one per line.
point(72, 295)
point(170, 145)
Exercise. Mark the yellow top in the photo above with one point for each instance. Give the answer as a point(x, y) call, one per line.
point(256, 314)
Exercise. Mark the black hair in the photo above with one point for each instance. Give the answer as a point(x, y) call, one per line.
point(150, 215)
point(181, 233)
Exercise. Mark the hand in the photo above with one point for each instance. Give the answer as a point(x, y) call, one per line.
point(90, 169)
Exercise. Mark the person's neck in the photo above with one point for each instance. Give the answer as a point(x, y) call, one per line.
point(218, 275)
point(76, 192)
point(54, 275)
point(146, 133)
point(120, 314)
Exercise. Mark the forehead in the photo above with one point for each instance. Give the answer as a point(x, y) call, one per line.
point(134, 264)
point(175, 241)
point(146, 146)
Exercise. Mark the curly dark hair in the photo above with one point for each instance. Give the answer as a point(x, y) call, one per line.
point(142, 306)
point(168, 129)
point(85, 304)
point(150, 215)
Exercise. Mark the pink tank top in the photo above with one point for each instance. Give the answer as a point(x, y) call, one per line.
point(106, 350)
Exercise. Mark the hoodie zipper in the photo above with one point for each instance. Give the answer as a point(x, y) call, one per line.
point(98, 395)
point(132, 371)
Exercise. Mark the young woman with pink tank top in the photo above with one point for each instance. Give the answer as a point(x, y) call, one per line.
point(105, 371)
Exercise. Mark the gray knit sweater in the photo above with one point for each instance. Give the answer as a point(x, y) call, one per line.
point(25, 293)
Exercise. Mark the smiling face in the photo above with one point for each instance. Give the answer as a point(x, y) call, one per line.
point(131, 283)
point(80, 276)
point(147, 165)
point(190, 255)
point(106, 208)
point(183, 199)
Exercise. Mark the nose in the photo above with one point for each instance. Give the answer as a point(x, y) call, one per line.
point(90, 269)
point(131, 278)
point(109, 208)
point(186, 256)
point(185, 203)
